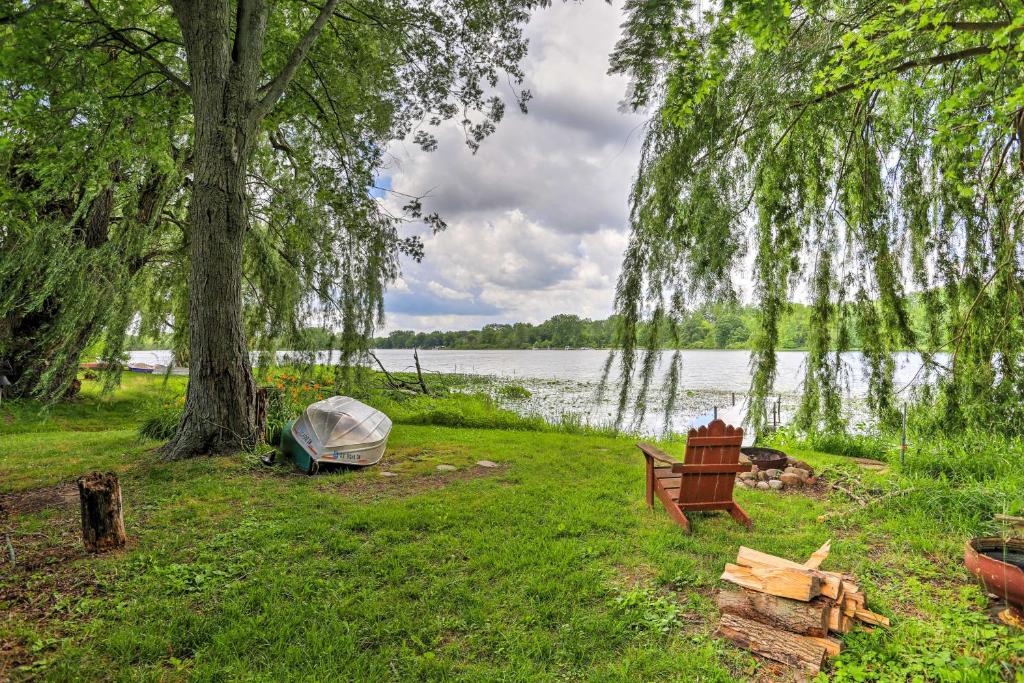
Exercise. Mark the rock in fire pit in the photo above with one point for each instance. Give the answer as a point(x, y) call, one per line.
point(793, 474)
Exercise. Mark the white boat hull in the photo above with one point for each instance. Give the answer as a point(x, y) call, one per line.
point(342, 430)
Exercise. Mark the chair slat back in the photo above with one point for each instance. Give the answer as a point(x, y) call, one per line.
point(714, 444)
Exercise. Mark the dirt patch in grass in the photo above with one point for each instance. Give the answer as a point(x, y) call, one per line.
point(819, 489)
point(373, 486)
point(34, 500)
point(45, 581)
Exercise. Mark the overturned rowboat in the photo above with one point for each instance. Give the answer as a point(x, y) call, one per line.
point(338, 430)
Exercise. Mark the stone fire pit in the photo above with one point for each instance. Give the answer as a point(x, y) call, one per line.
point(796, 475)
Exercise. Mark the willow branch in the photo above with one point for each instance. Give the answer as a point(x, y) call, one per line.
point(137, 49)
point(277, 86)
point(934, 60)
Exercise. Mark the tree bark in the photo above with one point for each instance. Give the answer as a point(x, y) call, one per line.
point(102, 516)
point(220, 411)
point(224, 46)
point(782, 646)
point(806, 618)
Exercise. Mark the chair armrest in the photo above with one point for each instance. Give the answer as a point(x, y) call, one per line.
point(719, 468)
point(656, 453)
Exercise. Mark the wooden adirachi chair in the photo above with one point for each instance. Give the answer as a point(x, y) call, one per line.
point(705, 478)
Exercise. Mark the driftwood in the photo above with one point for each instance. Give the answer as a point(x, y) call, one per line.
point(781, 646)
point(863, 503)
point(102, 516)
point(804, 618)
point(419, 386)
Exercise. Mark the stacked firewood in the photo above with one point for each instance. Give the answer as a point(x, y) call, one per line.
point(787, 611)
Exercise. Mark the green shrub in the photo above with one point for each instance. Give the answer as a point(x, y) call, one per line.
point(161, 424)
point(970, 456)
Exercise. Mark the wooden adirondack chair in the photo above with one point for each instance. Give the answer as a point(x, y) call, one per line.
point(705, 478)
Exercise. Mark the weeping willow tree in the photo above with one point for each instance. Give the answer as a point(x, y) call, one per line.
point(272, 119)
point(856, 154)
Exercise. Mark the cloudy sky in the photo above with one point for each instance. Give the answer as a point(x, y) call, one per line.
point(537, 218)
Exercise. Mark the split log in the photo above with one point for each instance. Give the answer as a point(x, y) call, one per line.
point(818, 556)
point(781, 646)
point(805, 618)
point(852, 602)
point(830, 581)
point(102, 517)
point(833, 646)
point(869, 617)
point(839, 621)
point(785, 582)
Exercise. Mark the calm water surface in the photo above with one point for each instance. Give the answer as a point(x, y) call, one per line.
point(565, 382)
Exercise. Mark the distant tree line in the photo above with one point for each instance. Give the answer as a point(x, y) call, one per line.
point(712, 327)
point(720, 326)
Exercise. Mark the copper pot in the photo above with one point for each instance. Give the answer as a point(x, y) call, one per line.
point(999, 563)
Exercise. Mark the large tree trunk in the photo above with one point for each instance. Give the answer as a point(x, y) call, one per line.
point(219, 413)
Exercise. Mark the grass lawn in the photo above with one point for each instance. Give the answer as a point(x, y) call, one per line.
point(549, 567)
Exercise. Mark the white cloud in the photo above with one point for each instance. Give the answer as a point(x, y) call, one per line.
point(538, 217)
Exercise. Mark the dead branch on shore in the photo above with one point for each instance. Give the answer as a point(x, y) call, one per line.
point(419, 386)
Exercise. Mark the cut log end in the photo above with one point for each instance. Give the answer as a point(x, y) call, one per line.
point(102, 516)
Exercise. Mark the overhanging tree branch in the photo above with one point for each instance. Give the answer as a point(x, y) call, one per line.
point(969, 53)
point(137, 49)
point(277, 86)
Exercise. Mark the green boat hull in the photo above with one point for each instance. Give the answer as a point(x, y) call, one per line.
point(291, 449)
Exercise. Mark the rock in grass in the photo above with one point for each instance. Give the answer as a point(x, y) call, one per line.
point(387, 474)
point(486, 463)
point(773, 473)
point(790, 479)
point(763, 485)
point(447, 468)
point(776, 484)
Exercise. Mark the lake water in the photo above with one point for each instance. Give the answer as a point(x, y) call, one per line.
point(566, 381)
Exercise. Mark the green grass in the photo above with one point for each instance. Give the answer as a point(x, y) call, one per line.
point(548, 568)
point(91, 411)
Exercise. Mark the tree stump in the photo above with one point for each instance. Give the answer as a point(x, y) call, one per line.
point(102, 517)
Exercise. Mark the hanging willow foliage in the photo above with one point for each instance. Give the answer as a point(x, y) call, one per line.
point(865, 156)
point(99, 158)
